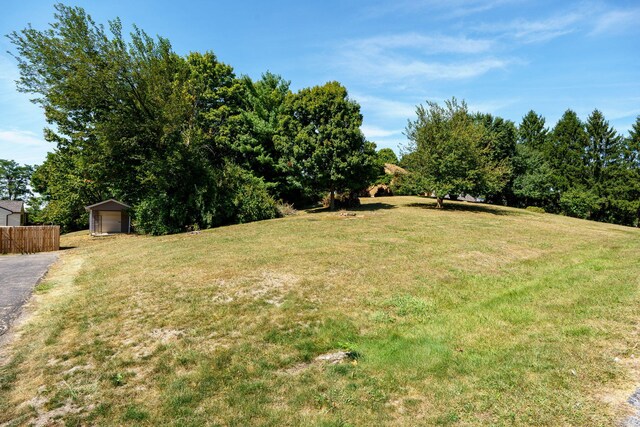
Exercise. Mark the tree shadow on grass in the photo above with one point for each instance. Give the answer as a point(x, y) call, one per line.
point(465, 207)
point(368, 207)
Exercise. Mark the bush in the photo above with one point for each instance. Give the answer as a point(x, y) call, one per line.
point(232, 196)
point(252, 201)
point(158, 215)
point(285, 209)
point(579, 203)
point(535, 209)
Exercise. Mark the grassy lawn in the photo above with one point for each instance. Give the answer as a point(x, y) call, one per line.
point(472, 315)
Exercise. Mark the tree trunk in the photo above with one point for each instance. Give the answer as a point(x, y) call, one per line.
point(332, 200)
point(439, 201)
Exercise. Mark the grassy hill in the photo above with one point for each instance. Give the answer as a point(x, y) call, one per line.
point(465, 316)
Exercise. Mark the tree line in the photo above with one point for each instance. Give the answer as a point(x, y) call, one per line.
point(581, 169)
point(182, 139)
point(187, 142)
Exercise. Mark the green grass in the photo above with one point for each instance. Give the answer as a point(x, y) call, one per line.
point(472, 315)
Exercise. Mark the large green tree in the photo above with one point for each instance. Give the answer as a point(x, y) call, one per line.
point(321, 141)
point(631, 158)
point(255, 146)
point(133, 120)
point(387, 155)
point(500, 139)
point(604, 148)
point(15, 180)
point(565, 152)
point(533, 183)
point(449, 150)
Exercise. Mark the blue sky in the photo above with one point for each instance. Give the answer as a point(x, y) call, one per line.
point(503, 57)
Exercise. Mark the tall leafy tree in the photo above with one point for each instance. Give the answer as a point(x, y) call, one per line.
point(321, 141)
point(448, 149)
point(135, 121)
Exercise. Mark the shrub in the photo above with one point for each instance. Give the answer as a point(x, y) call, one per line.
point(252, 201)
point(285, 209)
point(233, 196)
point(579, 203)
point(157, 215)
point(535, 209)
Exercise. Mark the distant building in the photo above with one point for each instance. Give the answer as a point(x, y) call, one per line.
point(12, 213)
point(109, 217)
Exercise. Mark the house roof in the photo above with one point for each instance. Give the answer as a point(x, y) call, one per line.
point(13, 206)
point(110, 201)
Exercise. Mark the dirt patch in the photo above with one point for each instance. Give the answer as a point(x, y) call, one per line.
point(494, 260)
point(268, 286)
point(332, 358)
point(165, 335)
point(49, 418)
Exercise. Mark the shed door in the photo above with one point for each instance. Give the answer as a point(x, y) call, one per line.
point(111, 221)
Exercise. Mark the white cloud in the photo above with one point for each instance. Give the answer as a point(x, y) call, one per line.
point(528, 31)
point(425, 44)
point(373, 132)
point(394, 58)
point(404, 68)
point(491, 106)
point(404, 59)
point(386, 108)
point(589, 17)
point(13, 138)
point(8, 69)
point(442, 9)
point(616, 21)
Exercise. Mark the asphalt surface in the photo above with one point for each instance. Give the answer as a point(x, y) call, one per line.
point(19, 274)
point(634, 420)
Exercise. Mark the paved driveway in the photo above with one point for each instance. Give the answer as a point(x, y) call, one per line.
point(18, 276)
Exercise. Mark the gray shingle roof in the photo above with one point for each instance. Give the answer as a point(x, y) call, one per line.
point(15, 206)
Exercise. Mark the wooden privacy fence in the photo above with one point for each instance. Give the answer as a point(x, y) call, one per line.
point(29, 239)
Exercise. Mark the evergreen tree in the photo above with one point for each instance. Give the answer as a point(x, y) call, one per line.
point(500, 140)
point(386, 155)
point(255, 146)
point(533, 184)
point(532, 132)
point(604, 148)
point(565, 152)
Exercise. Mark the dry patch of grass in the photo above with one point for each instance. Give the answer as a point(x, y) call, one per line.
point(464, 316)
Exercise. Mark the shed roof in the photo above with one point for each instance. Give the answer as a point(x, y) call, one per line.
point(97, 206)
point(13, 206)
